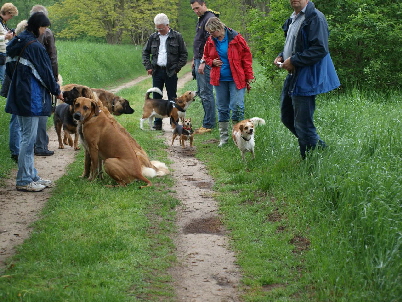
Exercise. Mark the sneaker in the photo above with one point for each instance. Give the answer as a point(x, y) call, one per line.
point(44, 182)
point(157, 126)
point(31, 187)
point(203, 130)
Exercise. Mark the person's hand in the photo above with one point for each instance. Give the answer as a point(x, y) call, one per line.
point(9, 35)
point(217, 62)
point(201, 68)
point(278, 61)
point(288, 65)
point(149, 71)
point(60, 96)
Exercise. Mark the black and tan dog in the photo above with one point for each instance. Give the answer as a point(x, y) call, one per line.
point(184, 132)
point(107, 142)
point(114, 103)
point(63, 117)
point(165, 108)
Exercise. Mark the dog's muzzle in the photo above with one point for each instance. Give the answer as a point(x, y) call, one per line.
point(77, 116)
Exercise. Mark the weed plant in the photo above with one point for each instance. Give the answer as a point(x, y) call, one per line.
point(327, 228)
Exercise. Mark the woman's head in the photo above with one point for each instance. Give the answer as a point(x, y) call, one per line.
point(8, 10)
point(214, 26)
point(37, 23)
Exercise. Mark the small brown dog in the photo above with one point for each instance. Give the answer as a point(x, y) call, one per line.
point(106, 142)
point(243, 135)
point(185, 132)
point(165, 108)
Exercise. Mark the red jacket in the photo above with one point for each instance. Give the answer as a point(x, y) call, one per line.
point(240, 59)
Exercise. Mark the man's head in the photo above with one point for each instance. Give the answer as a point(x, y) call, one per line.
point(38, 9)
point(161, 24)
point(298, 5)
point(199, 7)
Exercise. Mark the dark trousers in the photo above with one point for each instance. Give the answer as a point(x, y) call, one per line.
point(160, 79)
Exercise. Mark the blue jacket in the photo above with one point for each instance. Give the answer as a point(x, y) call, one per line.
point(315, 72)
point(33, 79)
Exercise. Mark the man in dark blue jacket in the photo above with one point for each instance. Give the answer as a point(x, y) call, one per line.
point(310, 72)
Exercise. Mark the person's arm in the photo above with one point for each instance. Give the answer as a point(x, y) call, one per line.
point(50, 45)
point(146, 55)
point(317, 44)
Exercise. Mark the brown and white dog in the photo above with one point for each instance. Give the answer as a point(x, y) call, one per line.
point(108, 142)
point(184, 132)
point(165, 108)
point(243, 135)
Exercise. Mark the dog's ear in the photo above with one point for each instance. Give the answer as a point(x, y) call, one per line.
point(241, 127)
point(95, 108)
point(87, 93)
point(71, 95)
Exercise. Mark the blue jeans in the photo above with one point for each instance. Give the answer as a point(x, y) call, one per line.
point(229, 100)
point(26, 170)
point(15, 135)
point(42, 139)
point(206, 93)
point(297, 114)
point(161, 79)
point(2, 69)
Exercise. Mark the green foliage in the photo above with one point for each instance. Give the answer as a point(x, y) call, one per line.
point(363, 35)
point(124, 21)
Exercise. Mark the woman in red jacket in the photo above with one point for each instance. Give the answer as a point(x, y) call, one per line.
point(228, 54)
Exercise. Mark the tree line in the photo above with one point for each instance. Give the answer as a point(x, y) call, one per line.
point(364, 35)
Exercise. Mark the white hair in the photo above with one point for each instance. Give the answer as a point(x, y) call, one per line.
point(39, 9)
point(21, 27)
point(161, 19)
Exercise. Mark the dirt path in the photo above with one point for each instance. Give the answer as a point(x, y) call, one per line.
point(206, 271)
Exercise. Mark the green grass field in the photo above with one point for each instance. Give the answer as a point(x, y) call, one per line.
point(324, 229)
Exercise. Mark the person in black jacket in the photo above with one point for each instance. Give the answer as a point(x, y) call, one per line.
point(202, 71)
point(163, 56)
point(32, 81)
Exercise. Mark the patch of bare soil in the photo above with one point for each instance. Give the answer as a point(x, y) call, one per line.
point(206, 270)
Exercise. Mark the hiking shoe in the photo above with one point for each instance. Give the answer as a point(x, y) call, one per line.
point(14, 157)
point(31, 187)
point(203, 130)
point(44, 153)
point(157, 126)
point(44, 182)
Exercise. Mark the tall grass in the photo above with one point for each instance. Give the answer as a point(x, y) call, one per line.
point(327, 228)
point(324, 229)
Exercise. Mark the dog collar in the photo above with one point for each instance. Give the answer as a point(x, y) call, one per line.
point(177, 106)
point(245, 138)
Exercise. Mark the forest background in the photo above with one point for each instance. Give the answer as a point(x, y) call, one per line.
point(364, 34)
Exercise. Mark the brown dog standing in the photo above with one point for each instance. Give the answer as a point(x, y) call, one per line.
point(105, 141)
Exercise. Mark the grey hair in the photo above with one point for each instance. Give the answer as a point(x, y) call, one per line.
point(161, 19)
point(214, 24)
point(39, 9)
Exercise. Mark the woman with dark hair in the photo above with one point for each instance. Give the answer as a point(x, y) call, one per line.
point(32, 81)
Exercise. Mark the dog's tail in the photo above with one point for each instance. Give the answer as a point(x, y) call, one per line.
point(154, 89)
point(158, 169)
point(257, 121)
point(161, 168)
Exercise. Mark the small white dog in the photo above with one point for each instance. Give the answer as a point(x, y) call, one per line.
point(243, 134)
